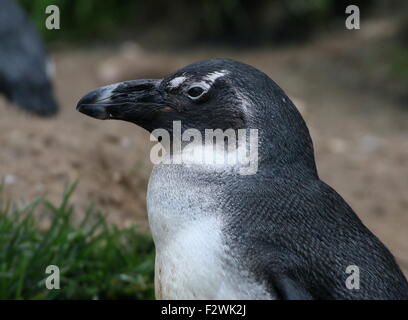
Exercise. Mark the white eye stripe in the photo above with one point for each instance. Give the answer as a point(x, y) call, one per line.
point(211, 77)
point(205, 84)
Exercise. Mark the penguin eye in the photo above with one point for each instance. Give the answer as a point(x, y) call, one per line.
point(195, 92)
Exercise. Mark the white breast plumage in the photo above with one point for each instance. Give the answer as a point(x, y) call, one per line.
point(189, 264)
point(192, 260)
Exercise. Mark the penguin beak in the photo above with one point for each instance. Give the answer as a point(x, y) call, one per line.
point(134, 101)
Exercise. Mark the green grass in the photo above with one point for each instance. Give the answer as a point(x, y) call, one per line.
point(96, 260)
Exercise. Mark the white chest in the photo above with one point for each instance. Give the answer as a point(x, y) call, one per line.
point(192, 259)
point(189, 264)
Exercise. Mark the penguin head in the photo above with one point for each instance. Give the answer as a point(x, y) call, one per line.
point(210, 94)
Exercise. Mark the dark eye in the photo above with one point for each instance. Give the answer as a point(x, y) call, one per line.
point(195, 92)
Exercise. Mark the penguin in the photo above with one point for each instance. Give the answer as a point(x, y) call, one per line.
point(277, 233)
point(25, 70)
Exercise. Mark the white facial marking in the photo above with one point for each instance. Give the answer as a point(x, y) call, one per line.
point(245, 102)
point(176, 82)
point(211, 77)
point(208, 80)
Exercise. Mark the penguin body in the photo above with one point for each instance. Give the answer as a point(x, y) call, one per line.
point(278, 233)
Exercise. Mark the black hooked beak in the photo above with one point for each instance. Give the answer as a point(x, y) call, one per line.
point(129, 100)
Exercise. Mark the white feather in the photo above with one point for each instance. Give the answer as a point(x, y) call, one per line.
point(176, 82)
point(215, 75)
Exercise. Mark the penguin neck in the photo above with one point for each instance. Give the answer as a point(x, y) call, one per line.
point(286, 150)
point(236, 156)
point(279, 158)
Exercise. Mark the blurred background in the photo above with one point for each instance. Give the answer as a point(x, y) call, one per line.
point(350, 86)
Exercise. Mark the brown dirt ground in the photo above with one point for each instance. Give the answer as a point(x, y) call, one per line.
point(360, 135)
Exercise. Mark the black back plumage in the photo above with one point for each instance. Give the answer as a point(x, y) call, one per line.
point(288, 227)
point(301, 234)
point(24, 79)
